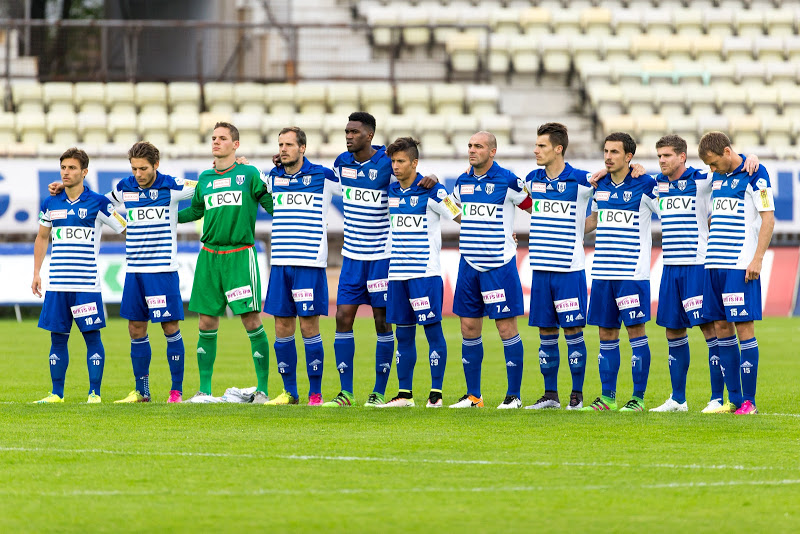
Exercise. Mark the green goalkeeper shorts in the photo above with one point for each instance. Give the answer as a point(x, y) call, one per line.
point(226, 278)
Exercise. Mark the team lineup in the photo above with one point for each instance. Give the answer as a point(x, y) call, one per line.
point(716, 228)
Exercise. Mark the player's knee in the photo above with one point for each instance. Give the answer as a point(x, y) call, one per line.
point(344, 320)
point(170, 327)
point(507, 328)
point(137, 329)
point(570, 330)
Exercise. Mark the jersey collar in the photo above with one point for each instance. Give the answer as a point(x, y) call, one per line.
point(414, 184)
point(738, 169)
point(493, 171)
point(304, 168)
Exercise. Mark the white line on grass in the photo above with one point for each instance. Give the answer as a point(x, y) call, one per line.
point(393, 459)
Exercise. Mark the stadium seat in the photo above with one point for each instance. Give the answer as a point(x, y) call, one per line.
point(732, 100)
point(585, 49)
point(780, 22)
point(153, 126)
point(312, 125)
point(745, 130)
point(460, 129)
point(151, 97)
point(249, 126)
point(444, 20)
point(7, 134)
point(596, 21)
point(473, 19)
point(524, 53)
point(414, 20)
point(399, 126)
point(504, 21)
point(718, 73)
point(380, 19)
point(749, 22)
point(280, 98)
point(783, 74)
point(249, 97)
point(688, 22)
point(566, 22)
point(646, 47)
point(684, 126)
point(271, 126)
point(90, 97)
point(790, 100)
point(27, 97)
point(769, 48)
point(606, 100)
point(677, 49)
point(536, 20)
point(737, 48)
point(712, 123)
point(639, 100)
point(432, 132)
point(777, 132)
point(763, 101)
point(751, 73)
point(462, 49)
point(311, 98)
point(122, 128)
point(31, 127)
point(413, 98)
point(93, 127)
point(499, 125)
point(59, 97)
point(556, 54)
point(377, 98)
point(120, 97)
point(670, 100)
point(627, 22)
point(218, 97)
point(184, 97)
point(792, 44)
point(658, 22)
point(208, 119)
point(343, 99)
point(333, 126)
point(702, 101)
point(499, 57)
point(184, 128)
point(718, 21)
point(618, 123)
point(482, 99)
point(447, 99)
point(617, 49)
point(707, 48)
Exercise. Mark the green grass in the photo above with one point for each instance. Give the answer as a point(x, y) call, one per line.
point(157, 467)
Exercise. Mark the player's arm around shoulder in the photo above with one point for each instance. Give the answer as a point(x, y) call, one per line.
point(517, 193)
point(259, 188)
point(198, 207)
point(109, 216)
point(181, 188)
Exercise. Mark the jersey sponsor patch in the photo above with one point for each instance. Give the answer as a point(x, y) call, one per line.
point(538, 187)
point(663, 187)
point(82, 310)
point(226, 198)
point(394, 202)
point(292, 200)
point(240, 293)
point(765, 200)
point(130, 196)
point(441, 194)
point(479, 211)
point(467, 189)
point(58, 214)
point(281, 182)
point(733, 299)
point(566, 305)
point(362, 197)
point(349, 172)
point(671, 205)
point(73, 234)
point(716, 185)
point(552, 208)
point(422, 303)
point(693, 303)
point(186, 183)
point(147, 215)
point(451, 206)
point(493, 297)
point(156, 301)
point(222, 182)
point(628, 301)
point(303, 295)
point(377, 286)
point(616, 218)
point(725, 206)
point(406, 222)
point(602, 196)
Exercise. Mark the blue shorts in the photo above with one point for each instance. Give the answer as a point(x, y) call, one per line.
point(418, 300)
point(680, 297)
point(294, 291)
point(726, 297)
point(61, 307)
point(363, 282)
point(616, 301)
point(496, 293)
point(558, 299)
point(154, 297)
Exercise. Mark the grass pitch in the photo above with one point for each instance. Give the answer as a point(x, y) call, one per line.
point(157, 467)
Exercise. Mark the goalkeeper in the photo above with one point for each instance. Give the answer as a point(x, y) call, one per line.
point(227, 196)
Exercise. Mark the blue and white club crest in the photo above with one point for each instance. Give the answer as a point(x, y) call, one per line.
point(734, 183)
point(373, 174)
point(306, 181)
point(561, 187)
point(626, 196)
point(414, 201)
point(681, 184)
point(239, 179)
point(489, 189)
point(153, 194)
point(82, 213)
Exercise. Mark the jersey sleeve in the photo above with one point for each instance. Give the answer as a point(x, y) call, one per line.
point(516, 191)
point(761, 190)
point(183, 189)
point(332, 182)
point(108, 215)
point(440, 202)
point(44, 214)
point(650, 196)
point(195, 211)
point(456, 194)
point(115, 195)
point(260, 190)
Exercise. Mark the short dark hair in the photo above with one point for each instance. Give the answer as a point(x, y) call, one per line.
point(675, 142)
point(301, 135)
point(144, 150)
point(364, 118)
point(713, 143)
point(628, 144)
point(231, 128)
point(76, 153)
point(408, 145)
point(557, 133)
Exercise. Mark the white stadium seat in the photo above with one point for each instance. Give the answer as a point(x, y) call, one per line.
point(59, 97)
point(343, 99)
point(93, 127)
point(218, 97)
point(413, 98)
point(311, 98)
point(31, 127)
point(151, 97)
point(184, 97)
point(90, 97)
point(280, 98)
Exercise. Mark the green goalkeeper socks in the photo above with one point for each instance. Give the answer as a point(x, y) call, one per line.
point(206, 354)
point(260, 349)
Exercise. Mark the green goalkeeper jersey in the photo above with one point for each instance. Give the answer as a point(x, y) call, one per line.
point(228, 202)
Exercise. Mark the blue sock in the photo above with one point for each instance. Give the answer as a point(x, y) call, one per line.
point(717, 382)
point(344, 349)
point(678, 367)
point(59, 360)
point(749, 369)
point(286, 354)
point(608, 362)
point(141, 353)
point(384, 350)
point(729, 360)
point(640, 365)
point(95, 359)
point(548, 361)
point(514, 353)
point(472, 358)
point(315, 357)
point(176, 356)
point(576, 348)
point(437, 354)
point(406, 355)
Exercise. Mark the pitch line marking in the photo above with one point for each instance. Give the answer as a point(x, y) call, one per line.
point(391, 459)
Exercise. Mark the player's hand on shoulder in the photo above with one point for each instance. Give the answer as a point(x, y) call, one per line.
point(637, 170)
point(751, 164)
point(276, 160)
point(597, 176)
point(55, 188)
point(429, 181)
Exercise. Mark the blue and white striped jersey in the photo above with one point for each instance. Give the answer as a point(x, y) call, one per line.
point(76, 227)
point(558, 219)
point(300, 202)
point(623, 242)
point(487, 216)
point(151, 243)
point(416, 236)
point(683, 208)
point(366, 206)
point(736, 200)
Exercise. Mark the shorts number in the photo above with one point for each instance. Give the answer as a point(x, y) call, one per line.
point(632, 314)
point(570, 318)
point(498, 308)
point(88, 320)
point(421, 317)
point(697, 315)
point(734, 312)
point(156, 313)
point(305, 306)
